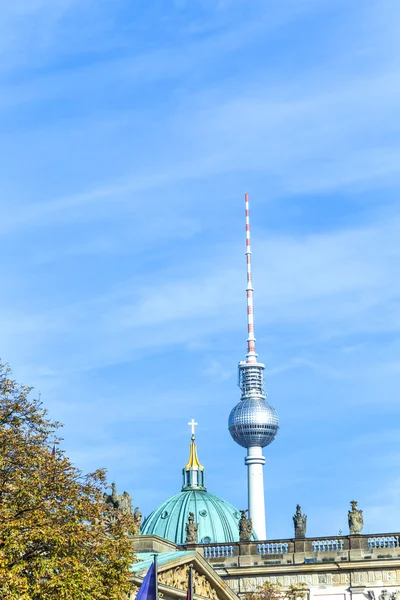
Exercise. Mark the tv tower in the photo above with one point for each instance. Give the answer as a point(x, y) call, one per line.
point(253, 423)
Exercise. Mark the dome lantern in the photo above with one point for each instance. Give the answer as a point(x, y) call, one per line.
point(193, 472)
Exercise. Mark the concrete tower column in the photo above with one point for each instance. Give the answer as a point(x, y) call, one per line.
point(255, 462)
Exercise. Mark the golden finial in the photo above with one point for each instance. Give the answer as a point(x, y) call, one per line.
point(193, 461)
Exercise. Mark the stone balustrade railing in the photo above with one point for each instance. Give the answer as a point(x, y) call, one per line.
point(304, 551)
point(391, 541)
point(218, 551)
point(273, 548)
point(327, 545)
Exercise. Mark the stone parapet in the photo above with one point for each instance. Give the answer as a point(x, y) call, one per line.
point(329, 549)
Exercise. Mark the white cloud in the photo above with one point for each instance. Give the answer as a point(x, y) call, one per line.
point(340, 283)
point(217, 371)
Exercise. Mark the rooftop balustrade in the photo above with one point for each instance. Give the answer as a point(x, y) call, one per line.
point(304, 551)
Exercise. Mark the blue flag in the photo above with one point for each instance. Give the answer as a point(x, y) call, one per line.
point(148, 589)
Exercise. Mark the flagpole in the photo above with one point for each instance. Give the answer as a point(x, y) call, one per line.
point(189, 594)
point(155, 577)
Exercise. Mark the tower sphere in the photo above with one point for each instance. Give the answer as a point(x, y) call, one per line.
point(253, 422)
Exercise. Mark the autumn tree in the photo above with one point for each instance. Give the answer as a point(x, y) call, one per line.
point(271, 591)
point(55, 540)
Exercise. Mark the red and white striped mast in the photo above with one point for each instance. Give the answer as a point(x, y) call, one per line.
point(251, 340)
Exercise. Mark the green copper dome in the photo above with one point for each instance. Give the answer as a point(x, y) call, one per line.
point(217, 520)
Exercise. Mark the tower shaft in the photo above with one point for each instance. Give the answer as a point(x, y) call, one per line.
point(255, 478)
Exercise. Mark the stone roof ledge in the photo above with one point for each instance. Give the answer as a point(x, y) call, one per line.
point(152, 543)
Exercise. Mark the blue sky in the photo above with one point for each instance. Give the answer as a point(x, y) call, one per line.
point(129, 134)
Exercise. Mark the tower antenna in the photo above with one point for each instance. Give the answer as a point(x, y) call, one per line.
point(251, 340)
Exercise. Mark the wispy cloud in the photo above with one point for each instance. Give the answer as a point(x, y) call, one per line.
point(336, 284)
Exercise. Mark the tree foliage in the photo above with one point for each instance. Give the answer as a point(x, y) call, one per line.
point(270, 591)
point(55, 541)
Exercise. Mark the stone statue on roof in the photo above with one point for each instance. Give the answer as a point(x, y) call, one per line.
point(356, 520)
point(191, 530)
point(137, 517)
point(118, 502)
point(245, 527)
point(300, 523)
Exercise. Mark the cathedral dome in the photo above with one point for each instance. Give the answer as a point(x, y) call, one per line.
point(218, 520)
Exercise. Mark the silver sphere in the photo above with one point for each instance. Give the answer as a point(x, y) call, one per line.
point(253, 422)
